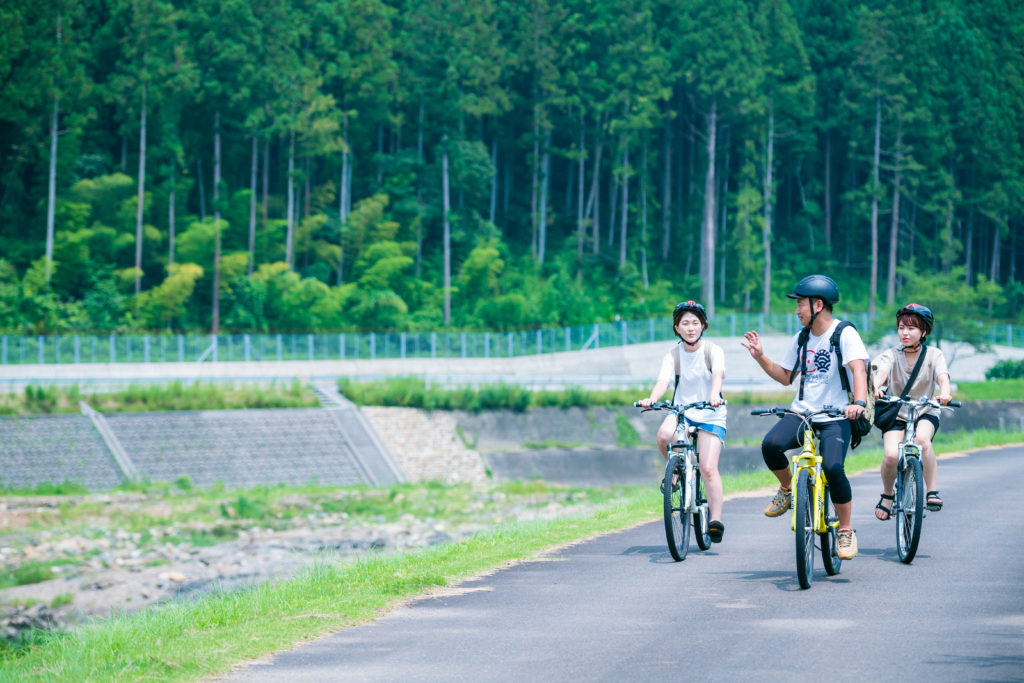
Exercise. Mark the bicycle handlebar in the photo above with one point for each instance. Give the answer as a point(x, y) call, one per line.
point(923, 401)
point(779, 412)
point(665, 405)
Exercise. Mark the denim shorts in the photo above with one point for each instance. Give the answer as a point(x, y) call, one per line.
point(711, 429)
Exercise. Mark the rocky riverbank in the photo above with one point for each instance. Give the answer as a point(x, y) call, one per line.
point(102, 570)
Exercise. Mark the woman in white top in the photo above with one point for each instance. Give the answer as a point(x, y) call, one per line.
point(701, 369)
point(893, 369)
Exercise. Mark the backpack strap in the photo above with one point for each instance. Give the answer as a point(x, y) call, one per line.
point(834, 341)
point(801, 351)
point(913, 375)
point(675, 357)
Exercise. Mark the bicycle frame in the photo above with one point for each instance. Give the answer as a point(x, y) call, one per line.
point(808, 459)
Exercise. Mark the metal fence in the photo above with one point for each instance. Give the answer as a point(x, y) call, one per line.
point(185, 348)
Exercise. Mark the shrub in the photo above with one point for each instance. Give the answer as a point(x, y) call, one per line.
point(1006, 369)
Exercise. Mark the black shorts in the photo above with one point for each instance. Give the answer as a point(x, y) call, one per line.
point(901, 425)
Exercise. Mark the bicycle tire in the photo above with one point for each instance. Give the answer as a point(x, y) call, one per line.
point(677, 522)
point(910, 510)
point(829, 545)
point(701, 516)
point(803, 496)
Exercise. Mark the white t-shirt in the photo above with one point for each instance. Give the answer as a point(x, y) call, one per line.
point(822, 385)
point(694, 380)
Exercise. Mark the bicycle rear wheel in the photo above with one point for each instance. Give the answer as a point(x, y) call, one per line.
point(829, 547)
point(677, 521)
point(803, 497)
point(909, 509)
point(701, 519)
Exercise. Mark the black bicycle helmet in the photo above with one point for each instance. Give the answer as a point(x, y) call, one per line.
point(690, 306)
point(923, 312)
point(816, 286)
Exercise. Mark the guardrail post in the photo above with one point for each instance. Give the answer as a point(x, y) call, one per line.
point(341, 346)
point(279, 350)
point(401, 345)
point(40, 348)
point(309, 345)
point(3, 349)
point(568, 339)
point(540, 342)
point(463, 340)
point(113, 356)
point(145, 347)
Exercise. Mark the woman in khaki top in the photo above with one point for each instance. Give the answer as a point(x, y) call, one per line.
point(893, 368)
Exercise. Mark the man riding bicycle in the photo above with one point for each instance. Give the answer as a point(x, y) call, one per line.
point(812, 356)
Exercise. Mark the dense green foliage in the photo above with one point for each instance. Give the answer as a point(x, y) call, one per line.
point(1006, 369)
point(397, 164)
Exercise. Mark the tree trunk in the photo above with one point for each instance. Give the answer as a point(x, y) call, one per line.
point(171, 201)
point(768, 195)
point(625, 203)
point(266, 191)
point(216, 222)
point(290, 234)
point(446, 233)
point(894, 232)
point(873, 287)
point(593, 210)
point(580, 227)
point(493, 209)
point(643, 217)
point(51, 199)
point(202, 186)
point(253, 172)
point(994, 272)
point(545, 185)
point(707, 262)
point(142, 192)
point(666, 193)
point(828, 190)
point(723, 221)
point(534, 184)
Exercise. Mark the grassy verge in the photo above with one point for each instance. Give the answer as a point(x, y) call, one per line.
point(37, 400)
point(197, 639)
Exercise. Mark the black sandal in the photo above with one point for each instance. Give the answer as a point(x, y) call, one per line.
point(933, 502)
point(886, 510)
point(715, 531)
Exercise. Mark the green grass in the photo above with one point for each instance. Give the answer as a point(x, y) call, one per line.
point(990, 390)
point(206, 637)
point(40, 400)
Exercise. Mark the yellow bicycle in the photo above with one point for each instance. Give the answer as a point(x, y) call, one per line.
point(812, 511)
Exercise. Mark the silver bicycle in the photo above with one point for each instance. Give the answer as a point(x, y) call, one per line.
point(684, 495)
point(909, 503)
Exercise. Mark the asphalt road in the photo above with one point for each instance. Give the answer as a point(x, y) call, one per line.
point(618, 608)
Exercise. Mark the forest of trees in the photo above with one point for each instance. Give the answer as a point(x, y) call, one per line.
point(295, 165)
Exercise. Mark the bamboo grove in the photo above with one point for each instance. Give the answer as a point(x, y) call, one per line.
point(293, 165)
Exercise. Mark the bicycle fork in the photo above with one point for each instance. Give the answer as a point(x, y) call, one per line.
point(812, 463)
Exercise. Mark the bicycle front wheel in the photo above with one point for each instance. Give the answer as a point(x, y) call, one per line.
point(829, 546)
point(803, 502)
point(701, 522)
point(677, 518)
point(909, 509)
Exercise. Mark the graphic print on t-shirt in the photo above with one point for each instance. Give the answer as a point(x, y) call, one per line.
point(817, 365)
